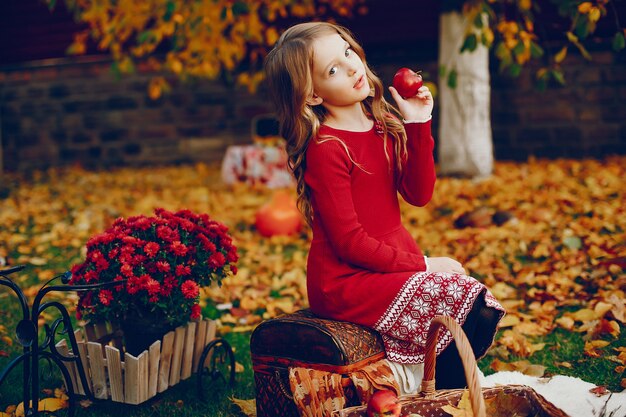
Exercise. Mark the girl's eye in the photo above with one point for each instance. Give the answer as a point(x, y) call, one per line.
point(332, 71)
point(348, 52)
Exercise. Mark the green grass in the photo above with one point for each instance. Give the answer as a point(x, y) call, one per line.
point(184, 400)
point(181, 400)
point(564, 346)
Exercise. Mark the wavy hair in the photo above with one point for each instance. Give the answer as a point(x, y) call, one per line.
point(288, 71)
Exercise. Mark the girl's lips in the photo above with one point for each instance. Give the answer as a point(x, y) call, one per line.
point(360, 82)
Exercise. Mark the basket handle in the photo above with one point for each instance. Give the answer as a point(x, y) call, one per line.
point(467, 357)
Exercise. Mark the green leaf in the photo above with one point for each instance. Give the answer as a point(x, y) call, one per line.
point(442, 70)
point(619, 42)
point(115, 70)
point(519, 48)
point(452, 79)
point(470, 44)
point(515, 70)
point(144, 36)
point(502, 52)
point(573, 242)
point(170, 7)
point(582, 28)
point(558, 76)
point(536, 51)
point(240, 8)
point(478, 20)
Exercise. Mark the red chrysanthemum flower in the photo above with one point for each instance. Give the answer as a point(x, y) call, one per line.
point(190, 289)
point(127, 270)
point(151, 249)
point(159, 264)
point(105, 297)
point(182, 270)
point(178, 248)
point(196, 312)
point(163, 266)
point(217, 260)
point(167, 234)
point(153, 286)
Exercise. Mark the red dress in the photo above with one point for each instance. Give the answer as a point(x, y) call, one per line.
point(363, 265)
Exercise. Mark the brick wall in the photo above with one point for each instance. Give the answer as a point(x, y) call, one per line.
point(586, 118)
point(75, 111)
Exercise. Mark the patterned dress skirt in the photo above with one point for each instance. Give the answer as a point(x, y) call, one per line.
point(404, 325)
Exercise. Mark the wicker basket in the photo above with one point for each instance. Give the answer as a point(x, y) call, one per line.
point(429, 403)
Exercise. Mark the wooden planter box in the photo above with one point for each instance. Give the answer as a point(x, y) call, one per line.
point(133, 380)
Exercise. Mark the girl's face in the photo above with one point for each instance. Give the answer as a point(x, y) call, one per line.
point(339, 77)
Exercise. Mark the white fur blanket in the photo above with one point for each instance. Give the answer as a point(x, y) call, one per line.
point(571, 395)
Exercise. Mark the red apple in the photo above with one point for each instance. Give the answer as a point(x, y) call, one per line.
point(384, 403)
point(407, 82)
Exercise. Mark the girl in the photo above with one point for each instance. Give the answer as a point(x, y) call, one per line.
point(350, 157)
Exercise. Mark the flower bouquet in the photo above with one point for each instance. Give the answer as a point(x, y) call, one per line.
point(161, 262)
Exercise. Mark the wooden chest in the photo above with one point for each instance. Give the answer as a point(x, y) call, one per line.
point(303, 340)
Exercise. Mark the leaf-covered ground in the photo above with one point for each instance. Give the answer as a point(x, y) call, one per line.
point(557, 262)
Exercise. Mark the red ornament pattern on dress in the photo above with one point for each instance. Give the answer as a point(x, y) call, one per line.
point(404, 326)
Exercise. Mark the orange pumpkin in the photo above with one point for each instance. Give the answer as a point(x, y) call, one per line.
point(280, 216)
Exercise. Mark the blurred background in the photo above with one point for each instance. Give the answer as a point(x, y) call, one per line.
point(107, 104)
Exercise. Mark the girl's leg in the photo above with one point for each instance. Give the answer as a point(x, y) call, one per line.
point(479, 328)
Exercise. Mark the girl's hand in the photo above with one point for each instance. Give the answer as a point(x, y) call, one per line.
point(443, 264)
point(419, 107)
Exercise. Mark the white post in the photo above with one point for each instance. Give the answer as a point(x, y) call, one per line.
point(465, 141)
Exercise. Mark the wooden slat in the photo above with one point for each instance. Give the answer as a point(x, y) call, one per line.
point(153, 377)
point(166, 360)
point(210, 336)
point(78, 335)
point(114, 366)
point(131, 373)
point(143, 376)
point(211, 331)
point(61, 347)
point(82, 352)
point(199, 343)
point(187, 363)
point(98, 374)
point(177, 355)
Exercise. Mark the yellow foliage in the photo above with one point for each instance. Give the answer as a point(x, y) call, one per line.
point(208, 36)
point(549, 199)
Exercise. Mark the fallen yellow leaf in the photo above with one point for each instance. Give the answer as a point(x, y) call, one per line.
point(462, 409)
point(248, 407)
point(508, 321)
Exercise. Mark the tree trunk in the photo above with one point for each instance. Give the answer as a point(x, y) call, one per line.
point(465, 142)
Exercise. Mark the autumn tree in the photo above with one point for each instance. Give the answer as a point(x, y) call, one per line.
point(213, 38)
point(201, 38)
point(469, 28)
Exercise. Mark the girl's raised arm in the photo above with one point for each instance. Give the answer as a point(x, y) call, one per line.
point(417, 179)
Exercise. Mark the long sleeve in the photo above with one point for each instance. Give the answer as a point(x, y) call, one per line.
point(417, 180)
point(329, 178)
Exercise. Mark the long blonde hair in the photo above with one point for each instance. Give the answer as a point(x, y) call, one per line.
point(288, 70)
